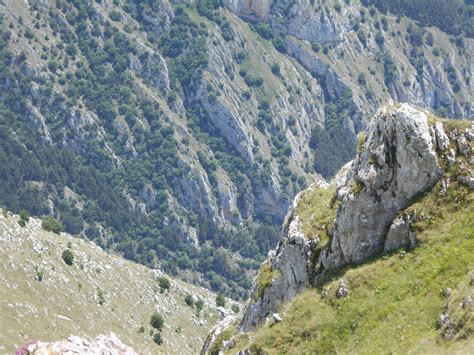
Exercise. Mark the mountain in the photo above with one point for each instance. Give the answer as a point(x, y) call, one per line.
point(43, 298)
point(380, 260)
point(178, 133)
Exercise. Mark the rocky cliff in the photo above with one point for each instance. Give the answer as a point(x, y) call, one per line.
point(198, 118)
point(403, 154)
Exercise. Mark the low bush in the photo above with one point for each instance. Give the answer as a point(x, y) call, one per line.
point(68, 257)
point(157, 321)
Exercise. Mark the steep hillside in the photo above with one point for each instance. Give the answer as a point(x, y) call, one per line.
point(46, 299)
point(178, 134)
point(381, 259)
point(396, 302)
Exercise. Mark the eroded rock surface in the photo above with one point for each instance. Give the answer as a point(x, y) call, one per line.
point(400, 158)
point(398, 161)
point(101, 345)
point(294, 270)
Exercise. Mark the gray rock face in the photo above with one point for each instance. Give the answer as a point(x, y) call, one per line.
point(292, 260)
point(400, 234)
point(101, 345)
point(216, 331)
point(316, 22)
point(442, 140)
point(397, 162)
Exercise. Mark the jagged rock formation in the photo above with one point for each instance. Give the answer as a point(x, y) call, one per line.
point(401, 157)
point(292, 260)
point(101, 345)
point(397, 161)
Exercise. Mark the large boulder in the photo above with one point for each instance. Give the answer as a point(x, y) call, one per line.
point(396, 162)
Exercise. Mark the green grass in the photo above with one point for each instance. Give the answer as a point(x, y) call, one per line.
point(449, 124)
point(265, 277)
point(394, 300)
point(224, 336)
point(43, 298)
point(316, 210)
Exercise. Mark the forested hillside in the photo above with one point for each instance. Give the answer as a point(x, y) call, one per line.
point(454, 17)
point(178, 134)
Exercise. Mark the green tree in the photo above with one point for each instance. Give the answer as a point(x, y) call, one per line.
point(24, 215)
point(189, 300)
point(220, 300)
point(157, 321)
point(235, 308)
point(164, 284)
point(51, 224)
point(68, 257)
point(158, 339)
point(199, 305)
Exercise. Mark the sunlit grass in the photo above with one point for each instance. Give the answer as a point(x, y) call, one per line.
point(395, 300)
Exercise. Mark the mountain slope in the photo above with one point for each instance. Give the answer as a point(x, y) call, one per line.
point(393, 270)
point(44, 298)
point(394, 302)
point(159, 129)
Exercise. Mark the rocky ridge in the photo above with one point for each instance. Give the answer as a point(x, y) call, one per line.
point(403, 154)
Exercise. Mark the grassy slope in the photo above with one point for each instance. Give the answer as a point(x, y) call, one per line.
point(395, 300)
point(66, 301)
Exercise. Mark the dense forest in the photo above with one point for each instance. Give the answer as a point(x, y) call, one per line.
point(453, 16)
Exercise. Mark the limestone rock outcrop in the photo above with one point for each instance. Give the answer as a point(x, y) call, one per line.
point(400, 157)
point(398, 161)
point(292, 266)
point(101, 345)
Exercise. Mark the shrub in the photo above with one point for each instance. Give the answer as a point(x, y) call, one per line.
point(158, 339)
point(280, 44)
point(51, 224)
point(220, 300)
point(315, 46)
point(235, 308)
point(100, 297)
point(429, 39)
point(275, 69)
point(379, 39)
point(189, 300)
point(29, 34)
point(164, 283)
point(24, 215)
point(362, 37)
point(199, 305)
point(39, 275)
point(264, 30)
point(157, 321)
point(115, 15)
point(53, 66)
point(68, 257)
